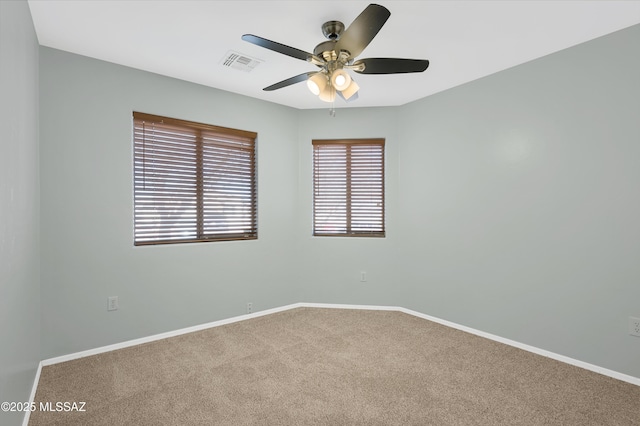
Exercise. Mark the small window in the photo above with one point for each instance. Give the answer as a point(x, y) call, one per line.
point(348, 188)
point(193, 182)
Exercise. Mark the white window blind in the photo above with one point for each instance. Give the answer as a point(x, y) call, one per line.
point(192, 182)
point(348, 188)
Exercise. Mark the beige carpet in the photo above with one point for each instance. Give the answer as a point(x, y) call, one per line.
point(312, 366)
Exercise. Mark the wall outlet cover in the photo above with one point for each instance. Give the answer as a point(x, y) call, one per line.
point(112, 303)
point(634, 326)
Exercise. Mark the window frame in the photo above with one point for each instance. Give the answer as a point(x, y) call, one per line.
point(349, 207)
point(207, 137)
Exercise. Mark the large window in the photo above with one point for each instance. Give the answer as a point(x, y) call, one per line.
point(348, 188)
point(192, 182)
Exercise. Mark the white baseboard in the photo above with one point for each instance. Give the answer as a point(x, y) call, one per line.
point(32, 396)
point(548, 354)
point(341, 306)
point(121, 345)
point(528, 348)
point(134, 342)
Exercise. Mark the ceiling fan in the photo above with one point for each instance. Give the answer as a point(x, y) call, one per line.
point(337, 55)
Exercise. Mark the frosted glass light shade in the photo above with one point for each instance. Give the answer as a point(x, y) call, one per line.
point(351, 90)
point(340, 79)
point(328, 94)
point(317, 83)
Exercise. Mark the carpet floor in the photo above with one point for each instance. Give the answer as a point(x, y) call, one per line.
point(313, 366)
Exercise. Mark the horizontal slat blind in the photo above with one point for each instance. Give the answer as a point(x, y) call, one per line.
point(192, 182)
point(348, 187)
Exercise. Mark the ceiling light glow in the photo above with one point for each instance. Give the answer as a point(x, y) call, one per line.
point(340, 79)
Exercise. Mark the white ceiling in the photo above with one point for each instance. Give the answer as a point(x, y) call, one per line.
point(464, 40)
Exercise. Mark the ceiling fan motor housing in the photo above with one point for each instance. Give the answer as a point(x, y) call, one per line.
point(332, 29)
point(326, 50)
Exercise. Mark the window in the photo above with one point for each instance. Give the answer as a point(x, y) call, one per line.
point(348, 188)
point(192, 182)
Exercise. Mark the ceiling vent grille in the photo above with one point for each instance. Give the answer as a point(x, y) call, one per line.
point(240, 61)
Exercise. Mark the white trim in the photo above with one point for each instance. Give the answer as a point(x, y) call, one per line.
point(32, 396)
point(338, 306)
point(548, 354)
point(528, 348)
point(134, 342)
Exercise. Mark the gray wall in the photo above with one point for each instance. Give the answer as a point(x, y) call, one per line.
point(332, 265)
point(19, 210)
point(87, 210)
point(522, 199)
point(512, 207)
point(512, 202)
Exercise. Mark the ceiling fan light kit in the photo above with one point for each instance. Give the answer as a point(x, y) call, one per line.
point(337, 55)
point(340, 79)
point(328, 94)
point(350, 91)
point(317, 83)
point(325, 87)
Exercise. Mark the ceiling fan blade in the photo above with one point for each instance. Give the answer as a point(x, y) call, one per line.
point(277, 47)
point(390, 65)
point(363, 29)
point(288, 82)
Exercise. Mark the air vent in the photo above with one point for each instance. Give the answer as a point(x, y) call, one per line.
point(240, 61)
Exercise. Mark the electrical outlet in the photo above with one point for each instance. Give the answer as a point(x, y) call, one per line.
point(363, 277)
point(634, 326)
point(249, 307)
point(112, 303)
